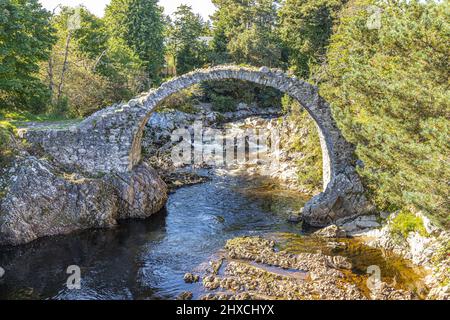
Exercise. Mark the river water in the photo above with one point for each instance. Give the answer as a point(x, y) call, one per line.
point(147, 259)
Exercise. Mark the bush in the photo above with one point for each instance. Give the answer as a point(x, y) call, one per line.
point(6, 133)
point(310, 166)
point(242, 91)
point(223, 103)
point(406, 222)
point(184, 100)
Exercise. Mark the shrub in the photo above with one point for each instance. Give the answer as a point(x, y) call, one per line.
point(406, 222)
point(223, 103)
point(310, 166)
point(6, 152)
point(242, 91)
point(184, 100)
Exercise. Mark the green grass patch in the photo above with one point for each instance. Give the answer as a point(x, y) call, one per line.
point(17, 118)
point(406, 222)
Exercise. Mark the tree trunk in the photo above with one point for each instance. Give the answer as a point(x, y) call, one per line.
point(64, 68)
point(50, 75)
point(99, 59)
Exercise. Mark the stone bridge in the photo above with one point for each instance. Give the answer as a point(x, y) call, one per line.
point(110, 140)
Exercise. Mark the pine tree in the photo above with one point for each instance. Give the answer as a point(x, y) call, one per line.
point(184, 42)
point(146, 35)
point(305, 28)
point(139, 25)
point(249, 30)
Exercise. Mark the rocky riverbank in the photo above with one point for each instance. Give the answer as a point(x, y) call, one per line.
point(430, 251)
point(254, 268)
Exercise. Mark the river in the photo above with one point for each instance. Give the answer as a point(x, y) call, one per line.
point(147, 259)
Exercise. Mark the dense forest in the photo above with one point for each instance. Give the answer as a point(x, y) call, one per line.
point(383, 66)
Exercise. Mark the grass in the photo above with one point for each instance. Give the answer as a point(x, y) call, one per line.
point(12, 120)
point(23, 116)
point(406, 222)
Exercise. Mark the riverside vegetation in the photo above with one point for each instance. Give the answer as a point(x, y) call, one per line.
point(387, 82)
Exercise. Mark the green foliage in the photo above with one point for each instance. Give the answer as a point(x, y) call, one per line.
point(390, 96)
point(305, 28)
point(135, 45)
point(242, 91)
point(6, 133)
point(309, 166)
point(245, 32)
point(25, 40)
point(219, 54)
point(184, 100)
point(79, 73)
point(184, 42)
point(247, 29)
point(136, 30)
point(145, 34)
point(406, 222)
point(223, 103)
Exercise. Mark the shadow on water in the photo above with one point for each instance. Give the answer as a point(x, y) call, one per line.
point(147, 259)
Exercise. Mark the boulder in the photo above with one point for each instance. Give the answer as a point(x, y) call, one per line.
point(141, 192)
point(41, 200)
point(332, 231)
point(185, 295)
point(191, 278)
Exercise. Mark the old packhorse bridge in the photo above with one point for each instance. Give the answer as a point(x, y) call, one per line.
point(110, 140)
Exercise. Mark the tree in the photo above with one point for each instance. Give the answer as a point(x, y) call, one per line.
point(184, 42)
point(305, 28)
point(138, 24)
point(87, 69)
point(26, 37)
point(249, 30)
point(145, 24)
point(123, 65)
point(389, 90)
point(245, 32)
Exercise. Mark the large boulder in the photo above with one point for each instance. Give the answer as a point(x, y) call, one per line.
point(40, 200)
point(141, 192)
point(332, 231)
point(40, 203)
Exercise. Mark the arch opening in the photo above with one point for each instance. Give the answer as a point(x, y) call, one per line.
point(302, 92)
point(257, 144)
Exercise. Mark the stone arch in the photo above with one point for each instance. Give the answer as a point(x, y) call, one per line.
point(298, 89)
point(110, 140)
